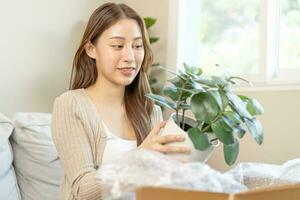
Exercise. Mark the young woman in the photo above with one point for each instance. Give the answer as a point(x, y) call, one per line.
point(105, 113)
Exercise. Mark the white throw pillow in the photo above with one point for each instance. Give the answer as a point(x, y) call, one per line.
point(38, 169)
point(8, 183)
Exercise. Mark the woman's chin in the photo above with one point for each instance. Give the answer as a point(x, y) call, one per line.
point(125, 82)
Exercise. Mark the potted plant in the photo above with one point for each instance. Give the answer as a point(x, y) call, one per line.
point(218, 114)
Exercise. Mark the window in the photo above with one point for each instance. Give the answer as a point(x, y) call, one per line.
point(258, 39)
point(289, 49)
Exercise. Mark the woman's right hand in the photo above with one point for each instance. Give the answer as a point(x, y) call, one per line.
point(157, 142)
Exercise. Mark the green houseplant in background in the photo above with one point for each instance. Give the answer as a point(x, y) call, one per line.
point(155, 83)
point(220, 115)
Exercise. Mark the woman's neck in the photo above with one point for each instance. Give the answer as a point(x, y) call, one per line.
point(107, 93)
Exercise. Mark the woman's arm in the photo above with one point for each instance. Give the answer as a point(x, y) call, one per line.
point(74, 148)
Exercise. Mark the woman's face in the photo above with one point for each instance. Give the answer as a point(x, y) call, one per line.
point(119, 52)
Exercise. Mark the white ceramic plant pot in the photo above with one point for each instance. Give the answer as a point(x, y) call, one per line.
point(172, 128)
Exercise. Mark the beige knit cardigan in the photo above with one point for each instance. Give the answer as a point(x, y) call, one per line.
point(79, 137)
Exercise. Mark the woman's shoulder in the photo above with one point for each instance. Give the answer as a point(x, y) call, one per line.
point(69, 94)
point(70, 97)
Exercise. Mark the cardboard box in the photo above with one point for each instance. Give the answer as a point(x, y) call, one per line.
point(288, 192)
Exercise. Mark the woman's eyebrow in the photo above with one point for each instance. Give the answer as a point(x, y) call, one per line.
point(123, 38)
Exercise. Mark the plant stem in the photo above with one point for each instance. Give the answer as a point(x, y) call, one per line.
point(177, 121)
point(236, 77)
point(206, 128)
point(178, 104)
point(183, 124)
point(217, 117)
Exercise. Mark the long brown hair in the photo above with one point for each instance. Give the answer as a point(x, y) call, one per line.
point(84, 70)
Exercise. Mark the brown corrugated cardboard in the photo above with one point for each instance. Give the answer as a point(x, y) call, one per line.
point(288, 192)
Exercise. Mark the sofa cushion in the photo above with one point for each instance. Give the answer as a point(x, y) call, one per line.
point(8, 183)
point(36, 162)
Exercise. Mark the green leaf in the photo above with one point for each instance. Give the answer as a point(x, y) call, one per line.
point(194, 85)
point(171, 92)
point(190, 91)
point(232, 118)
point(206, 106)
point(153, 39)
point(162, 100)
point(238, 105)
point(231, 152)
point(217, 97)
point(178, 81)
point(219, 81)
point(199, 139)
point(187, 68)
point(149, 21)
point(192, 70)
point(255, 128)
point(192, 76)
point(191, 87)
point(224, 98)
point(174, 92)
point(186, 85)
point(244, 98)
point(206, 81)
point(253, 106)
point(235, 122)
point(223, 131)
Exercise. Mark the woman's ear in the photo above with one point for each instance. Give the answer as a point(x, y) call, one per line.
point(90, 50)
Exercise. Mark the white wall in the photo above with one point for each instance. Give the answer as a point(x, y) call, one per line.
point(38, 39)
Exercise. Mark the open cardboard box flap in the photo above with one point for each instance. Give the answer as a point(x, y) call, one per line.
point(287, 192)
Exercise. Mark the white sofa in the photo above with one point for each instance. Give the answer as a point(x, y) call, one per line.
point(29, 165)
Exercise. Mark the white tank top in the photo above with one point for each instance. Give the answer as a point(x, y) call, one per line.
point(116, 146)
